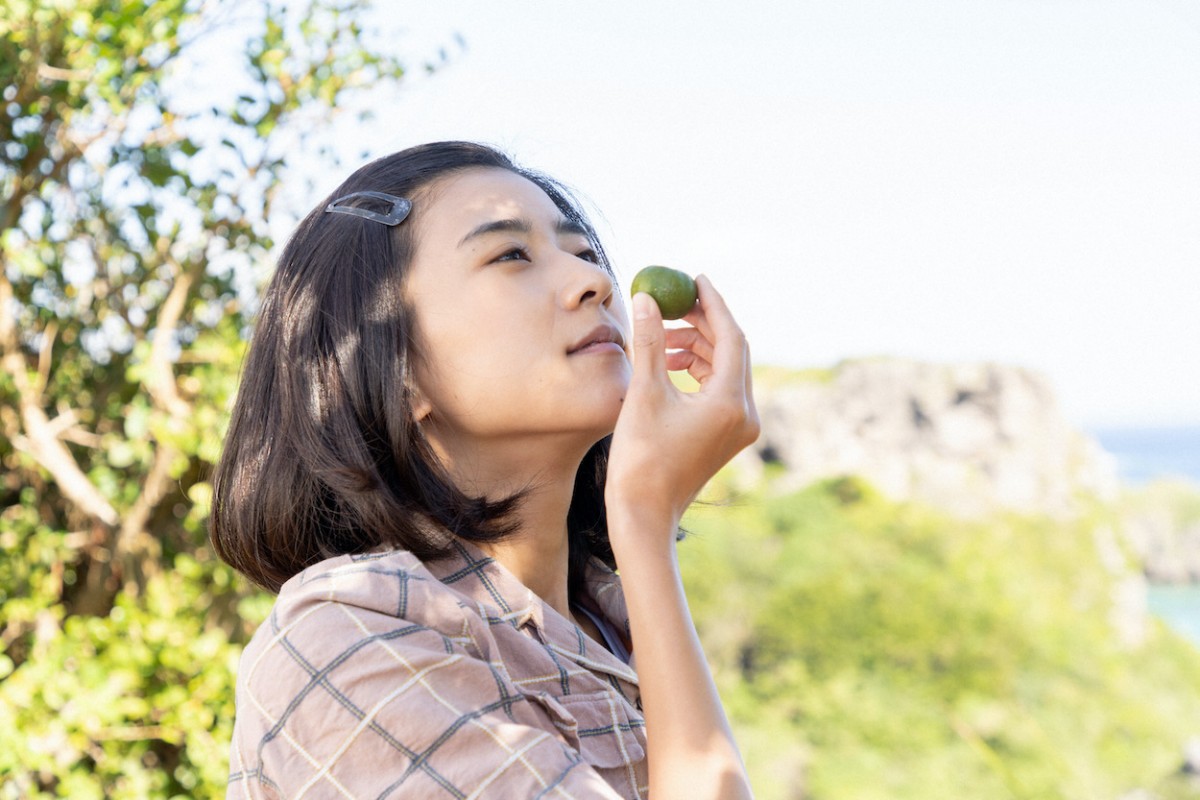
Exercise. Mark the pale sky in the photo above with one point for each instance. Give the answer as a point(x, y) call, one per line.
point(1004, 180)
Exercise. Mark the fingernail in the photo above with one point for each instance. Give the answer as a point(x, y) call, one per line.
point(641, 307)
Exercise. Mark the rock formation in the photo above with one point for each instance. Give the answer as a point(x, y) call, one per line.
point(970, 438)
point(1161, 524)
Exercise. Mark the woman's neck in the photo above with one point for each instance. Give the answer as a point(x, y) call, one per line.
point(537, 554)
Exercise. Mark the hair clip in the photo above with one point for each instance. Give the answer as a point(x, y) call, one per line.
point(400, 208)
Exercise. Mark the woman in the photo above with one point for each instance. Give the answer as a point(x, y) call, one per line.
point(439, 454)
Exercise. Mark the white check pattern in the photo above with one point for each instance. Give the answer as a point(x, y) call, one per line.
point(381, 676)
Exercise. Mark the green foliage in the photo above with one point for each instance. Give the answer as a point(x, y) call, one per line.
point(138, 177)
point(134, 704)
point(1174, 500)
point(883, 650)
point(771, 377)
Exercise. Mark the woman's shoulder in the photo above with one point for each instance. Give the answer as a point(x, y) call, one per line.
point(364, 592)
point(351, 608)
point(374, 581)
point(350, 617)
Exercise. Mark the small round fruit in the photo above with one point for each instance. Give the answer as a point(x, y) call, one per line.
point(674, 291)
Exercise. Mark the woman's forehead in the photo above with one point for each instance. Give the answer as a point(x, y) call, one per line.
point(461, 202)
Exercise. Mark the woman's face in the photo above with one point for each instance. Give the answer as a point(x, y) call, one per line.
point(520, 333)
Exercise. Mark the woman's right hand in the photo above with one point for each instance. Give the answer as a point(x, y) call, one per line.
point(666, 446)
point(669, 443)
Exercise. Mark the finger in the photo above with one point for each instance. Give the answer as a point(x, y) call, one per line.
point(697, 318)
point(749, 376)
point(679, 360)
point(689, 339)
point(729, 343)
point(649, 340)
point(695, 365)
point(700, 370)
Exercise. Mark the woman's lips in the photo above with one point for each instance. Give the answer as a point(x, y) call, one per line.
point(600, 335)
point(599, 348)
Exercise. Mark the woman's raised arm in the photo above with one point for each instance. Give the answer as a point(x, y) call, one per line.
point(666, 446)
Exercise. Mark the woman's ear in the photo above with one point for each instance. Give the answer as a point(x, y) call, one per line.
point(419, 403)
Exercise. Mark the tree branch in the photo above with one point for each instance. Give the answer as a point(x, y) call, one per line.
point(41, 440)
point(161, 374)
point(45, 354)
point(60, 425)
point(136, 549)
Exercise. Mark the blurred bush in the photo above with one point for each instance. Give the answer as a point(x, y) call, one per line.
point(873, 649)
point(139, 164)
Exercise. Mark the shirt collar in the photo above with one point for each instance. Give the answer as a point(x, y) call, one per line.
point(500, 596)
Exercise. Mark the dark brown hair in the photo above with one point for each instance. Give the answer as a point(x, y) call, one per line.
point(323, 456)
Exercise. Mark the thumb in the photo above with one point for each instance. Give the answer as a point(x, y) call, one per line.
point(649, 339)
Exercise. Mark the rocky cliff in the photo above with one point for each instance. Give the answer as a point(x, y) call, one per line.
point(970, 438)
point(1161, 524)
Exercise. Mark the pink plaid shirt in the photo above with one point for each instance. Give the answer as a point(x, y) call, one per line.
point(382, 676)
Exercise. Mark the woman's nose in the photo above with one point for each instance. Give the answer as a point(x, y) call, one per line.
point(587, 283)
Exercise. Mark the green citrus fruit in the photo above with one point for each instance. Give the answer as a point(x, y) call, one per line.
point(674, 291)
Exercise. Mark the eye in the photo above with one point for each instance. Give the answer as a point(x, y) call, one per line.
point(588, 254)
point(515, 254)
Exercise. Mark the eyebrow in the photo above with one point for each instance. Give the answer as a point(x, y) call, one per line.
point(564, 226)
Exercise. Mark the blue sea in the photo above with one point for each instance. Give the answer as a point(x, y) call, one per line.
point(1179, 607)
point(1144, 454)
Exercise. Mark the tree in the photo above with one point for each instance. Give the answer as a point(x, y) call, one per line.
point(138, 178)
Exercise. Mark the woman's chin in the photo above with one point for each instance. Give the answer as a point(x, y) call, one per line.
point(604, 421)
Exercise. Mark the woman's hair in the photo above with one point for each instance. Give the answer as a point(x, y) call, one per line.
point(323, 456)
